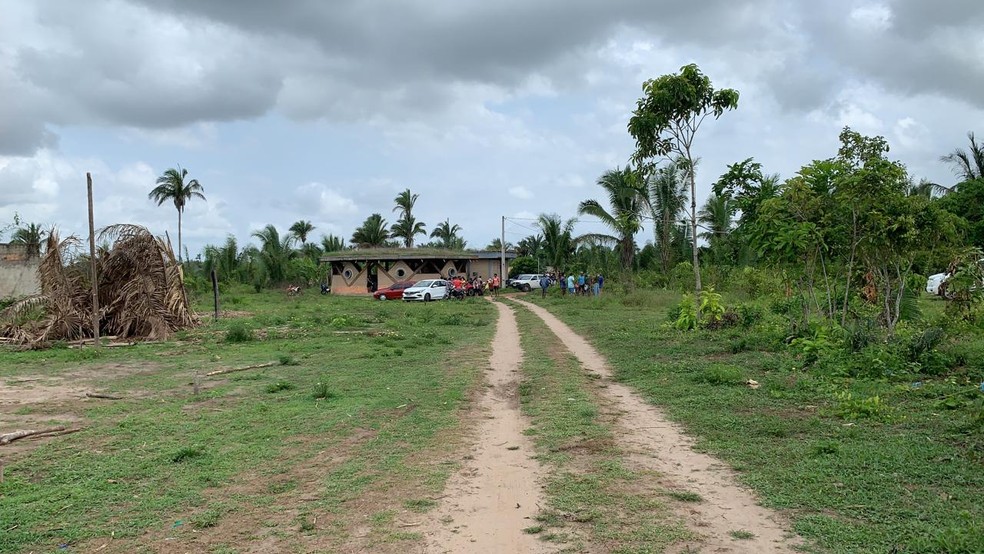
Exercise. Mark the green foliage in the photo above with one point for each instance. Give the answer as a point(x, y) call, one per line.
point(720, 374)
point(522, 264)
point(239, 332)
point(849, 407)
point(279, 386)
point(322, 391)
point(187, 453)
point(712, 311)
point(811, 348)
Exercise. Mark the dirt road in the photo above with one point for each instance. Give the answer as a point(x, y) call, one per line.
point(655, 443)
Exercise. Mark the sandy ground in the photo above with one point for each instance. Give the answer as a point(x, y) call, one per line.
point(655, 443)
point(497, 492)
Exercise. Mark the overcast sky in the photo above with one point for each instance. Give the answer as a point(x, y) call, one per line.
point(325, 110)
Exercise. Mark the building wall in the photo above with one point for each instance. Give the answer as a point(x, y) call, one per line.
point(18, 273)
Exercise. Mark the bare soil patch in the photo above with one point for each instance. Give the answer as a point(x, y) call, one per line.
point(656, 444)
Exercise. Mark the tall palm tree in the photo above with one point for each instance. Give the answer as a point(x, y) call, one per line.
point(372, 233)
point(627, 198)
point(275, 252)
point(332, 243)
point(301, 229)
point(406, 228)
point(448, 235)
point(717, 219)
point(558, 240)
point(30, 236)
point(667, 201)
point(171, 185)
point(223, 259)
point(967, 165)
point(496, 245)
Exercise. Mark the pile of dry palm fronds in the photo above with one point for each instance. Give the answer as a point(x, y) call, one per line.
point(141, 291)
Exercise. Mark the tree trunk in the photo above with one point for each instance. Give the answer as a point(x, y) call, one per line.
point(179, 235)
point(693, 230)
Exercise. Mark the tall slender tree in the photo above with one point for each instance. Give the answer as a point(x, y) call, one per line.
point(301, 229)
point(406, 227)
point(172, 185)
point(717, 219)
point(665, 122)
point(626, 193)
point(530, 246)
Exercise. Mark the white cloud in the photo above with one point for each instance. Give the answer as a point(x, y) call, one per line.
point(521, 192)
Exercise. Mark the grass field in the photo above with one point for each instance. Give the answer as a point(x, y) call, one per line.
point(908, 479)
point(372, 390)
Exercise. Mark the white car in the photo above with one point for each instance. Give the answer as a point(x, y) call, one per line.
point(526, 282)
point(934, 283)
point(427, 290)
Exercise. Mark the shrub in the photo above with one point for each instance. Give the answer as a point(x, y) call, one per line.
point(322, 391)
point(849, 407)
point(186, 453)
point(749, 314)
point(239, 332)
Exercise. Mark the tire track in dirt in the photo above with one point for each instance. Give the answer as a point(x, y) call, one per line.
point(497, 492)
point(655, 443)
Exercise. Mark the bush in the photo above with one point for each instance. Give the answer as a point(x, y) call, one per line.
point(849, 407)
point(279, 386)
point(756, 282)
point(239, 332)
point(322, 391)
point(749, 314)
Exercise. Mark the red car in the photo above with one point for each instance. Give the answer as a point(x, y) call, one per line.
point(392, 292)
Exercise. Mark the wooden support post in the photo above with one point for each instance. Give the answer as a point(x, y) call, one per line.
point(92, 262)
point(215, 292)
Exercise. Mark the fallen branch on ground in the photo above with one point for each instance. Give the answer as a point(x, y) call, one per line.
point(232, 369)
point(101, 395)
point(8, 438)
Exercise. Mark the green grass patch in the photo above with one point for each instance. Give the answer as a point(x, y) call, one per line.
point(859, 465)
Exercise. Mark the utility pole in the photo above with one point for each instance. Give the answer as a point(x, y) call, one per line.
point(92, 262)
point(502, 245)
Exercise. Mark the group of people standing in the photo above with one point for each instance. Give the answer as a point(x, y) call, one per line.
point(581, 285)
point(475, 284)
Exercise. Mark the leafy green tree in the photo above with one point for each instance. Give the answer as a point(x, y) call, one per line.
point(224, 260)
point(522, 264)
point(558, 240)
point(274, 253)
point(31, 236)
point(967, 165)
point(665, 122)
point(301, 229)
point(627, 194)
point(171, 185)
point(332, 243)
point(967, 202)
point(447, 234)
point(406, 227)
point(372, 233)
point(667, 195)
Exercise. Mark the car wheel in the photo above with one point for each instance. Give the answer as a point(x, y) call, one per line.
point(527, 288)
point(427, 297)
point(383, 297)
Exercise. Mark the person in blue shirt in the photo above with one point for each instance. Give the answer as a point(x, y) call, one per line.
point(570, 283)
point(544, 283)
point(580, 284)
point(601, 283)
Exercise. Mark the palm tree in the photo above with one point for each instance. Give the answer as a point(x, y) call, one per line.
point(667, 200)
point(407, 228)
point(496, 245)
point(448, 235)
point(301, 229)
point(332, 243)
point(223, 259)
point(967, 165)
point(530, 246)
point(716, 218)
point(30, 236)
point(558, 240)
point(171, 185)
point(627, 197)
point(372, 233)
point(274, 252)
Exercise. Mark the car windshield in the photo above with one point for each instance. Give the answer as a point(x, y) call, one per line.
point(425, 283)
point(524, 277)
